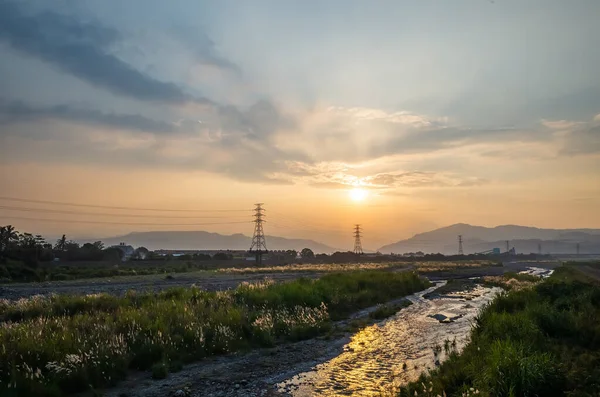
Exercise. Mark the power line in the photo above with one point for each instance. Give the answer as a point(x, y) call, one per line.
point(46, 210)
point(114, 207)
point(119, 223)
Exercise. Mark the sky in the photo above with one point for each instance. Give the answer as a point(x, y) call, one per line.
point(402, 116)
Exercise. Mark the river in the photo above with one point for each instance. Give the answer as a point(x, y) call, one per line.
point(396, 350)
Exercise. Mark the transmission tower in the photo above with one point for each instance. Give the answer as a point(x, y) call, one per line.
point(460, 247)
point(357, 244)
point(259, 244)
point(539, 248)
point(577, 249)
point(507, 245)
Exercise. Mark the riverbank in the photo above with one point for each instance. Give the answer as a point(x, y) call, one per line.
point(543, 340)
point(67, 344)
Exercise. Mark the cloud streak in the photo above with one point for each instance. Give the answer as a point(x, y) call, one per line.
point(16, 111)
point(83, 50)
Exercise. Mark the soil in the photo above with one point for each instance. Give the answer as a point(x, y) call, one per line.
point(119, 285)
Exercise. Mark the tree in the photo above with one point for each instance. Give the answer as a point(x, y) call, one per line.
point(113, 254)
point(291, 253)
point(140, 253)
point(8, 235)
point(61, 244)
point(221, 256)
point(307, 253)
point(99, 245)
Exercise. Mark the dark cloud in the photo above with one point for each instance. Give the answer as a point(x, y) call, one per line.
point(248, 155)
point(260, 121)
point(16, 111)
point(83, 50)
point(420, 140)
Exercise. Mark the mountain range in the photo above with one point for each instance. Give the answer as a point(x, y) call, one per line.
point(200, 240)
point(479, 239)
point(443, 240)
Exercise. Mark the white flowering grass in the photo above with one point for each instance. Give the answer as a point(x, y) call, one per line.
point(64, 344)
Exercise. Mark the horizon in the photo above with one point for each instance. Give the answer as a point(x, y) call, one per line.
point(347, 247)
point(154, 118)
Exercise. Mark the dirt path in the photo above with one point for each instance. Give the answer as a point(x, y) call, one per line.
point(119, 285)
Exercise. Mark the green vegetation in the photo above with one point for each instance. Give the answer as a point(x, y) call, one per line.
point(511, 280)
point(521, 277)
point(17, 271)
point(387, 310)
point(538, 341)
point(452, 286)
point(66, 344)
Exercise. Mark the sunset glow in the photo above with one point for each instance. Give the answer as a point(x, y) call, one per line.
point(358, 194)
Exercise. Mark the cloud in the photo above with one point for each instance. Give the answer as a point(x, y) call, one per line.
point(17, 111)
point(583, 140)
point(361, 134)
point(83, 50)
point(390, 181)
point(415, 179)
point(236, 142)
point(578, 137)
point(203, 48)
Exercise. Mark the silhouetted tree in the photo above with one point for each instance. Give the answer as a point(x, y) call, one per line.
point(61, 244)
point(8, 236)
point(307, 253)
point(222, 256)
point(140, 253)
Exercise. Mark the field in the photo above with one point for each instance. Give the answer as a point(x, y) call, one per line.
point(66, 344)
point(231, 277)
point(543, 340)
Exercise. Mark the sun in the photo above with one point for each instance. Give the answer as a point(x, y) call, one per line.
point(358, 194)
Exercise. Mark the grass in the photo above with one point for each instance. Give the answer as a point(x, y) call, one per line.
point(314, 267)
point(67, 344)
point(511, 280)
point(453, 286)
point(387, 310)
point(538, 341)
point(438, 266)
point(15, 271)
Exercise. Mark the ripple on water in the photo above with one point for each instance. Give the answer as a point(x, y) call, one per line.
point(396, 350)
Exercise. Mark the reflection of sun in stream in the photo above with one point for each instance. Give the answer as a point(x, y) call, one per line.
point(391, 352)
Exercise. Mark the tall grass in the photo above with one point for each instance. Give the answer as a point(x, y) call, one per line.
point(541, 341)
point(65, 344)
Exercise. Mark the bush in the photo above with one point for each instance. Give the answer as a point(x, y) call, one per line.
point(160, 371)
point(542, 341)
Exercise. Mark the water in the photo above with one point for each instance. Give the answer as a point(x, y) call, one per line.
point(394, 351)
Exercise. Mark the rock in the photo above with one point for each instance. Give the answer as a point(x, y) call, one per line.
point(445, 317)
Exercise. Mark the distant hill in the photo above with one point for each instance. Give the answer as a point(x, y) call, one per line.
point(478, 238)
point(200, 240)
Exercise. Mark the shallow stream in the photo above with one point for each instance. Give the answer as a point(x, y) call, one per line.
point(396, 350)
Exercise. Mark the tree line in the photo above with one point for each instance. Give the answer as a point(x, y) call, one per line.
point(33, 248)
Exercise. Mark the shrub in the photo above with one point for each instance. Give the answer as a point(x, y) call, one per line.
point(160, 371)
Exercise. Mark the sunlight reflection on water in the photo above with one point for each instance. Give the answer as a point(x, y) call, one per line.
point(394, 351)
